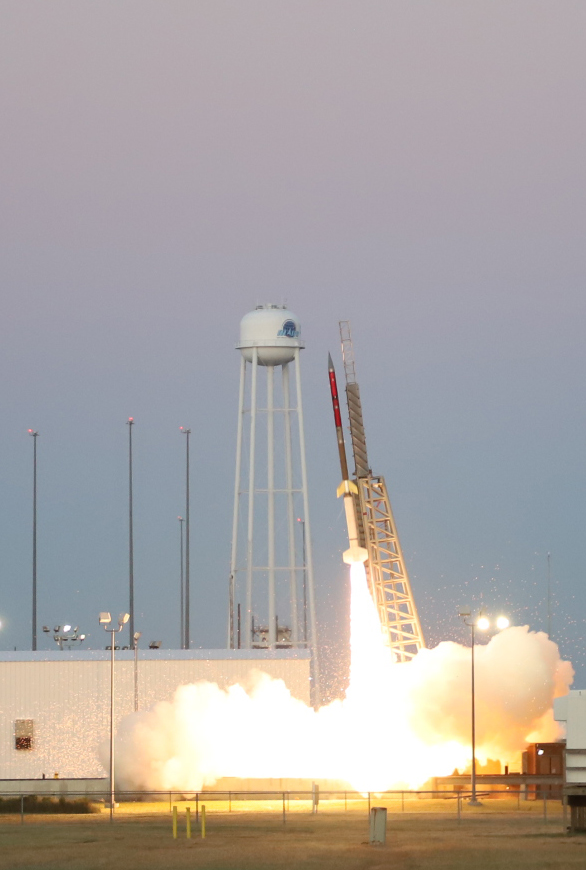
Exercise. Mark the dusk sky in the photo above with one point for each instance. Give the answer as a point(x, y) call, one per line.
point(415, 167)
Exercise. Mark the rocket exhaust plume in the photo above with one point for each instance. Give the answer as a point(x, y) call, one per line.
point(421, 707)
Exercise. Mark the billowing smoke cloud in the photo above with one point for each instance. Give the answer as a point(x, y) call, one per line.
point(397, 726)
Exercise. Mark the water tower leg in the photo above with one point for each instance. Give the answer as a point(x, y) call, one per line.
point(290, 505)
point(316, 692)
point(250, 532)
point(234, 554)
point(272, 639)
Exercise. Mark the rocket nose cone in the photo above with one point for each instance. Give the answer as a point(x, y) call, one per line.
point(330, 363)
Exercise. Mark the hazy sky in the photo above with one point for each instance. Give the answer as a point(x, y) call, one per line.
point(417, 168)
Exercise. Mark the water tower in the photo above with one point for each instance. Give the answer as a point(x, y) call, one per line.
point(271, 571)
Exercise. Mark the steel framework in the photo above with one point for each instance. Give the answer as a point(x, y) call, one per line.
point(385, 568)
point(283, 565)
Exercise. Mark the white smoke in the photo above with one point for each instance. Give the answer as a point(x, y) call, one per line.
point(398, 725)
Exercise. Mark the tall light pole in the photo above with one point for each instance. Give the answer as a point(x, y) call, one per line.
point(105, 620)
point(35, 435)
point(130, 424)
point(135, 638)
point(549, 595)
point(481, 622)
point(186, 638)
point(181, 607)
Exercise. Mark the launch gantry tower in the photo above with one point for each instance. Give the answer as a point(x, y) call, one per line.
point(385, 567)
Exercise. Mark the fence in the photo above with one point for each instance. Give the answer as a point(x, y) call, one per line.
point(286, 803)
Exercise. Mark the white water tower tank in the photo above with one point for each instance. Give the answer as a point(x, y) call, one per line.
point(274, 331)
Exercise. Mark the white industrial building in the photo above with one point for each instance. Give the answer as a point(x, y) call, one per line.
point(55, 705)
point(571, 710)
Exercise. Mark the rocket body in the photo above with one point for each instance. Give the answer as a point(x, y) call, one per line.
point(355, 553)
point(337, 418)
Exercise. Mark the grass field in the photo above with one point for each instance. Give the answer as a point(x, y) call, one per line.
point(497, 837)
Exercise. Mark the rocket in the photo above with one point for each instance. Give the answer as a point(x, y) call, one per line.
point(355, 553)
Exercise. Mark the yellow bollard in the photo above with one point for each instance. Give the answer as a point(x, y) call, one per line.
point(174, 823)
point(188, 823)
point(203, 821)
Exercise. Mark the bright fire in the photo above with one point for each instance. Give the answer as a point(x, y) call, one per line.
point(398, 725)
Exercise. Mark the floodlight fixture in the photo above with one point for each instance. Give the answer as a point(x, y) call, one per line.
point(66, 635)
point(483, 623)
point(105, 618)
point(502, 622)
point(155, 644)
point(123, 618)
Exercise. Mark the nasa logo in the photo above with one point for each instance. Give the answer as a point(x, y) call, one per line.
point(288, 330)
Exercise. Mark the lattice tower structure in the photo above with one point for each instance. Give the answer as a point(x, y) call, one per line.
point(386, 571)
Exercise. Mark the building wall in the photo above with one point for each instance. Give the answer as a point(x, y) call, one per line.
point(571, 709)
point(67, 696)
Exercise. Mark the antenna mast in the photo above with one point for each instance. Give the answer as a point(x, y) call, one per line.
point(385, 568)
